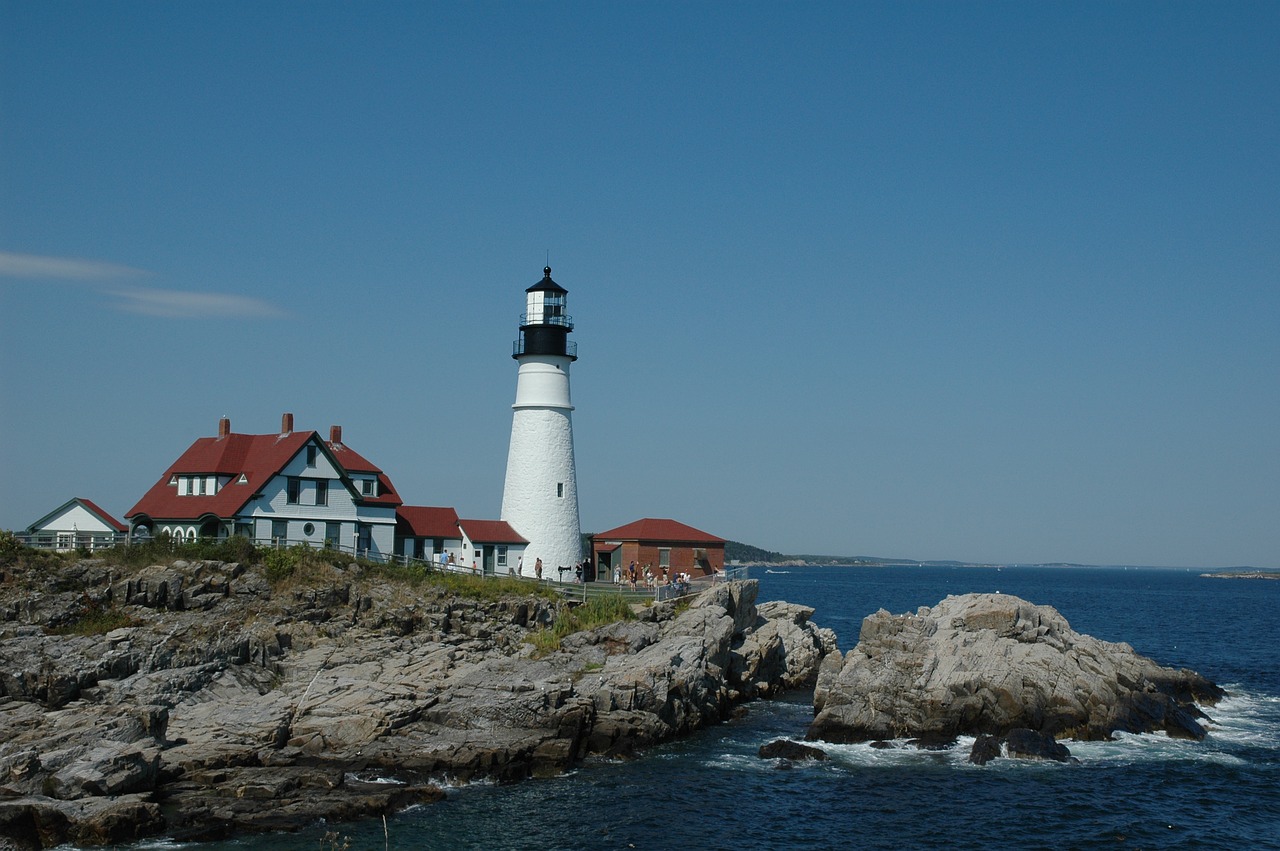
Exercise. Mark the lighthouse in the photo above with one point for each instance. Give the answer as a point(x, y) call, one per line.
point(540, 497)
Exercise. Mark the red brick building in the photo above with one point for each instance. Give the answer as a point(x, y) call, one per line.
point(658, 543)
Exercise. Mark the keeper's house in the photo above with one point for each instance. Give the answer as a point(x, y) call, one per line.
point(292, 487)
point(76, 524)
point(660, 543)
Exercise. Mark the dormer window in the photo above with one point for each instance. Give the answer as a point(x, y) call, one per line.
point(195, 485)
point(369, 487)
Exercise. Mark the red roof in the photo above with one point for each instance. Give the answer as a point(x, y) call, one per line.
point(102, 515)
point(652, 529)
point(353, 462)
point(420, 521)
point(255, 458)
point(491, 532)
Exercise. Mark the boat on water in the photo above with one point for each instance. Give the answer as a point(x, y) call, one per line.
point(767, 570)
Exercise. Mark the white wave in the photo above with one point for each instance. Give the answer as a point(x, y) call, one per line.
point(351, 777)
point(740, 762)
point(1243, 718)
point(1130, 748)
point(864, 755)
point(453, 784)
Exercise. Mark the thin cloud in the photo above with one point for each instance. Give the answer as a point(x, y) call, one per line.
point(15, 265)
point(172, 304)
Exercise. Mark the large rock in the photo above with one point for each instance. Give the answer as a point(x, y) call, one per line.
point(991, 663)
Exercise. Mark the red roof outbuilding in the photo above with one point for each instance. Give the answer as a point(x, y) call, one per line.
point(656, 529)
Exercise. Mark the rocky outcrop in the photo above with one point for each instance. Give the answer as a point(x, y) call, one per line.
point(1018, 744)
point(231, 705)
point(787, 750)
point(991, 664)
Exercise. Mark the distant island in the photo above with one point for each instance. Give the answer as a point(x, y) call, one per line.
point(737, 553)
point(745, 554)
point(1243, 574)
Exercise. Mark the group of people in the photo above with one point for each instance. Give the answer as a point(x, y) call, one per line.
point(635, 577)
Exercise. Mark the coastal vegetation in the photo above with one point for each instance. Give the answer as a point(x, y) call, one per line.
point(297, 566)
point(596, 612)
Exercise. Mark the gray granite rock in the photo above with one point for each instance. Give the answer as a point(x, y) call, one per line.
point(245, 706)
point(991, 663)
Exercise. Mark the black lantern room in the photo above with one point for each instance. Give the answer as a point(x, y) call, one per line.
point(546, 323)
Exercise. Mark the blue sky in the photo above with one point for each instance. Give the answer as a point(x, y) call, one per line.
point(983, 281)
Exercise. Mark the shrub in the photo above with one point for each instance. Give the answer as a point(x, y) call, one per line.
point(162, 548)
point(598, 611)
point(10, 547)
point(15, 553)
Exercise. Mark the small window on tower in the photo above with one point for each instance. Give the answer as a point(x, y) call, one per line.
point(560, 489)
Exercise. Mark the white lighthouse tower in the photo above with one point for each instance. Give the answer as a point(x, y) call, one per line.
point(540, 498)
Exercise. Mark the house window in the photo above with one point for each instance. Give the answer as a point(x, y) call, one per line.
point(279, 531)
point(198, 486)
point(309, 529)
point(292, 488)
point(311, 454)
point(502, 556)
point(322, 491)
point(664, 558)
point(369, 487)
point(332, 533)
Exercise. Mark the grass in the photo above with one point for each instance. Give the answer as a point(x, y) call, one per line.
point(95, 619)
point(491, 589)
point(597, 611)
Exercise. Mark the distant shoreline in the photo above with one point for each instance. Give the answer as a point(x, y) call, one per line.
point(1244, 574)
point(1223, 573)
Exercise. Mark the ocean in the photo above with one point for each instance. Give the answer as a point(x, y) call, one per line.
point(711, 791)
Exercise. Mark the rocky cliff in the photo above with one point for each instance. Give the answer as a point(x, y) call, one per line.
point(226, 704)
point(992, 664)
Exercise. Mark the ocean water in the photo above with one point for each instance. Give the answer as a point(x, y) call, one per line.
point(711, 791)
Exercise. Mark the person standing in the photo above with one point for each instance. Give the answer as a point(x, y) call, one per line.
point(537, 570)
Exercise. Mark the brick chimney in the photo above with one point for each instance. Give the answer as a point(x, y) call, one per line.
point(286, 424)
point(335, 434)
point(224, 427)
